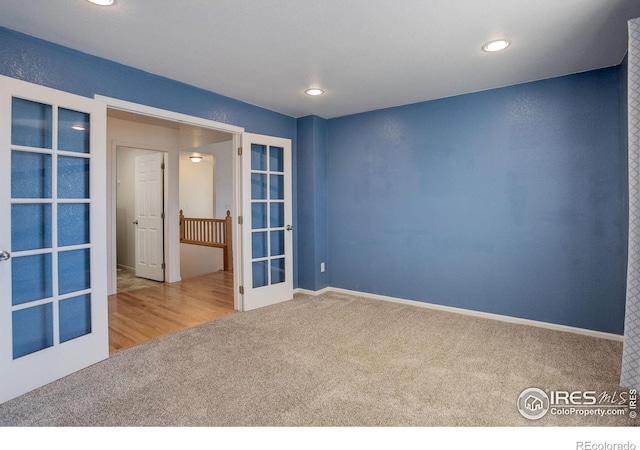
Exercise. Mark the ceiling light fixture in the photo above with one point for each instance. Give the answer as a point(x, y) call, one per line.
point(314, 91)
point(496, 46)
point(102, 2)
point(195, 158)
point(78, 127)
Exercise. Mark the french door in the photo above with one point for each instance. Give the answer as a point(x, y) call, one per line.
point(267, 221)
point(53, 302)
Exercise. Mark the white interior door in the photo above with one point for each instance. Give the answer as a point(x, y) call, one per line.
point(267, 221)
point(149, 220)
point(53, 301)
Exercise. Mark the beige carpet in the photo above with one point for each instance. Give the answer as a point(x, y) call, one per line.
point(332, 360)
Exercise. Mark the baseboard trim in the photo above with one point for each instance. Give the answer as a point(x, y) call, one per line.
point(469, 312)
point(127, 268)
point(312, 293)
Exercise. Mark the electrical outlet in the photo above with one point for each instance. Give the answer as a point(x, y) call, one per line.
point(321, 267)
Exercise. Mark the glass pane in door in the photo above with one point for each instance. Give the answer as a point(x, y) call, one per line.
point(73, 177)
point(74, 271)
point(73, 131)
point(31, 123)
point(32, 278)
point(277, 271)
point(258, 157)
point(75, 317)
point(30, 226)
point(32, 329)
point(260, 274)
point(73, 224)
point(30, 175)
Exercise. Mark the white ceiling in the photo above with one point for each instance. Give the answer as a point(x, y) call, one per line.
point(189, 136)
point(366, 54)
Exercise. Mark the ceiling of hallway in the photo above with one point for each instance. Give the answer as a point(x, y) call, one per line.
point(365, 54)
point(189, 136)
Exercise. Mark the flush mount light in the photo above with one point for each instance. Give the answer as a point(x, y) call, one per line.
point(314, 91)
point(496, 46)
point(195, 158)
point(102, 2)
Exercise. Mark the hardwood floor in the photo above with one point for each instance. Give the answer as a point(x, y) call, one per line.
point(127, 281)
point(149, 313)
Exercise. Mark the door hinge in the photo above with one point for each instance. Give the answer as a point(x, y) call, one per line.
point(163, 266)
point(162, 166)
point(239, 151)
point(242, 290)
point(162, 215)
point(239, 220)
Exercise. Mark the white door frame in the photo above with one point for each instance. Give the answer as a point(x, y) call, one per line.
point(172, 250)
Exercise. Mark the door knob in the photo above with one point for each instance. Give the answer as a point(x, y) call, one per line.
point(4, 255)
point(135, 222)
point(289, 228)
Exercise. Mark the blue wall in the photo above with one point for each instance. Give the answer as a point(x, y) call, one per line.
point(510, 201)
point(41, 62)
point(312, 209)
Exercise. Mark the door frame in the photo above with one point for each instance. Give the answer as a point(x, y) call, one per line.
point(112, 185)
point(172, 249)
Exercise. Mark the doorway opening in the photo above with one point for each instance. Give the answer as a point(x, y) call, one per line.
point(193, 289)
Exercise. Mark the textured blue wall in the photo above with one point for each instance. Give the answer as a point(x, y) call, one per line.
point(312, 209)
point(509, 201)
point(41, 62)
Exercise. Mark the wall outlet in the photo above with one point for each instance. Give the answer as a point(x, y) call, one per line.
point(321, 267)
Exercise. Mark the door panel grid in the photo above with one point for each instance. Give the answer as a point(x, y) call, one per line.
point(50, 242)
point(267, 211)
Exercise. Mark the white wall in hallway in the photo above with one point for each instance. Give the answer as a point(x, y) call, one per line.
point(144, 137)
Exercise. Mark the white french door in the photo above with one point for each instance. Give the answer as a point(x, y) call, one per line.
point(53, 302)
point(267, 221)
point(149, 221)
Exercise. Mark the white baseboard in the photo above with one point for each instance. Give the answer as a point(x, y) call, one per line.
point(313, 293)
point(469, 312)
point(127, 268)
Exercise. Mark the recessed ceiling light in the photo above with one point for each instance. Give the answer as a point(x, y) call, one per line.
point(496, 46)
point(102, 2)
point(314, 91)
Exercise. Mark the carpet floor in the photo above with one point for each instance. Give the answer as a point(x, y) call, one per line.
point(331, 360)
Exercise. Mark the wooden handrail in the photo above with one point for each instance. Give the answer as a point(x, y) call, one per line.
point(210, 233)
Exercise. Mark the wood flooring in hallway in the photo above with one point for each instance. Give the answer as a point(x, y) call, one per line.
point(144, 314)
